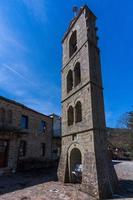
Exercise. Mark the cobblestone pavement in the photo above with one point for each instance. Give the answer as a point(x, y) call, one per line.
point(47, 191)
point(42, 185)
point(38, 185)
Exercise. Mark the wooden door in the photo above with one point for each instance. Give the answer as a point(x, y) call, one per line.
point(3, 153)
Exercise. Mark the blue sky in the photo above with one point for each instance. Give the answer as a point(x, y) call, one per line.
point(31, 54)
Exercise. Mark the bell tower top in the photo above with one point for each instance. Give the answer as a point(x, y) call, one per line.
point(83, 10)
point(81, 28)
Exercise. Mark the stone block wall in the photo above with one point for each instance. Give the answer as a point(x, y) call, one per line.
point(32, 135)
point(87, 136)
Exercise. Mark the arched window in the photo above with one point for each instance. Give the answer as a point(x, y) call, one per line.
point(77, 74)
point(9, 116)
point(70, 116)
point(69, 81)
point(78, 112)
point(73, 44)
point(2, 115)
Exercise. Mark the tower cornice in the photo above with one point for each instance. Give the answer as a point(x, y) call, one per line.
point(74, 20)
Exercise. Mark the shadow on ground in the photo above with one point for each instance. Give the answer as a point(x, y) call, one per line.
point(21, 180)
point(125, 189)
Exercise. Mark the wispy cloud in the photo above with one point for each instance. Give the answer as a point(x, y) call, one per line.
point(10, 82)
point(17, 76)
point(12, 47)
point(36, 85)
point(19, 86)
point(37, 8)
point(41, 105)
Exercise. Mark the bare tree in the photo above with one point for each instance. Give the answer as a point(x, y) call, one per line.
point(130, 120)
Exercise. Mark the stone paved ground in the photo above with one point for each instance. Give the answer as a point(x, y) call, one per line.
point(48, 191)
point(40, 185)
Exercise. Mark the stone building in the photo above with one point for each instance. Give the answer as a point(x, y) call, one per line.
point(25, 136)
point(83, 119)
point(56, 137)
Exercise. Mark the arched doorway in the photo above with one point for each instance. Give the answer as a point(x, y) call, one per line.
point(75, 162)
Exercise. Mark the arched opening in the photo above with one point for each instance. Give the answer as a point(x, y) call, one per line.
point(75, 168)
point(70, 116)
point(2, 115)
point(78, 112)
point(77, 74)
point(73, 44)
point(69, 81)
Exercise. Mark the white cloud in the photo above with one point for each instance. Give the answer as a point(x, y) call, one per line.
point(27, 92)
point(21, 92)
point(37, 8)
point(11, 45)
point(17, 78)
point(9, 82)
point(18, 74)
point(9, 40)
point(41, 105)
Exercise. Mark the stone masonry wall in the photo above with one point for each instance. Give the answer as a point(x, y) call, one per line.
point(33, 137)
point(88, 135)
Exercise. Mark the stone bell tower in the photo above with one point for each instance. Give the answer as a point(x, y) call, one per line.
point(83, 119)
